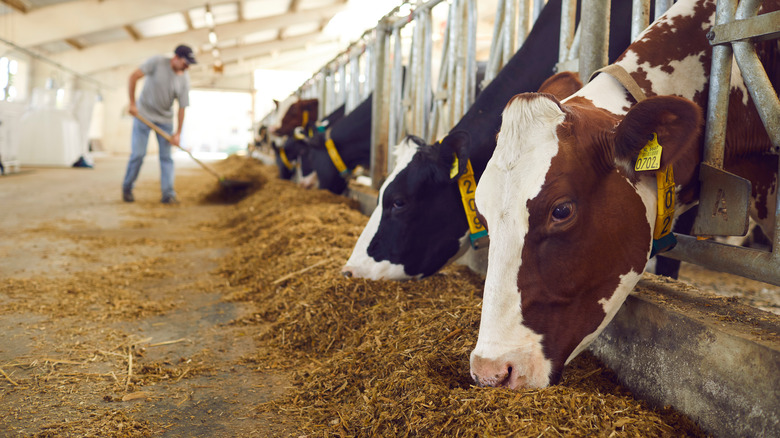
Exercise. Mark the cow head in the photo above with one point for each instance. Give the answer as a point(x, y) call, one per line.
point(430, 229)
point(421, 215)
point(291, 154)
point(570, 226)
point(300, 113)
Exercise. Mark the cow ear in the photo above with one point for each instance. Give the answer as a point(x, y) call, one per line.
point(561, 85)
point(675, 122)
point(455, 146)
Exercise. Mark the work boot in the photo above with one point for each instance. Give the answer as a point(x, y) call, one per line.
point(169, 199)
point(127, 196)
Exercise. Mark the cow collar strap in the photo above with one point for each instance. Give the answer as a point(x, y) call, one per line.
point(285, 160)
point(621, 75)
point(468, 186)
point(650, 159)
point(335, 157)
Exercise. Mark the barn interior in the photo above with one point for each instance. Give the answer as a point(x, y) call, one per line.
point(214, 318)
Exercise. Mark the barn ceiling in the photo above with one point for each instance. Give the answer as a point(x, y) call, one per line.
point(93, 36)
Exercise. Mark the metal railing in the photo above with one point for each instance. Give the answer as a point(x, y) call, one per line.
point(412, 105)
point(724, 200)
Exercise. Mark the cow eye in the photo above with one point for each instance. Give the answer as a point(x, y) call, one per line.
point(399, 204)
point(562, 211)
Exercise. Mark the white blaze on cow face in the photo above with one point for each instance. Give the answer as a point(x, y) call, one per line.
point(362, 265)
point(281, 110)
point(508, 353)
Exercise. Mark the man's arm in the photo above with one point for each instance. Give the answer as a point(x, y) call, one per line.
point(180, 122)
point(134, 77)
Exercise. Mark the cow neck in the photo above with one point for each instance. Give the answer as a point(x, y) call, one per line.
point(626, 80)
point(338, 162)
point(285, 160)
point(663, 238)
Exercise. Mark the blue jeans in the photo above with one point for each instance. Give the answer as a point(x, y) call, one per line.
point(139, 142)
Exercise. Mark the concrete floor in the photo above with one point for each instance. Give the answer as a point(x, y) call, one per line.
point(68, 241)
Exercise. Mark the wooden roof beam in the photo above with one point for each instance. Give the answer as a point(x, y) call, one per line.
point(22, 6)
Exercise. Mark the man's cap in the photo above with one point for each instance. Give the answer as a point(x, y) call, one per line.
point(185, 53)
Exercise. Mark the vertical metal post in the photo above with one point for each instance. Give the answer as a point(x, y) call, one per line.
point(661, 6)
point(396, 89)
point(594, 47)
point(496, 45)
point(640, 17)
point(568, 23)
point(367, 72)
point(470, 46)
point(343, 87)
point(538, 5)
point(322, 89)
point(453, 102)
point(524, 22)
point(427, 88)
point(509, 31)
point(720, 80)
point(379, 107)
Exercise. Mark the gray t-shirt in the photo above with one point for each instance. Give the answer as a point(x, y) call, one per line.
point(161, 86)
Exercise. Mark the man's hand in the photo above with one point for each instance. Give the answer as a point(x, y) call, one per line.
point(132, 109)
point(175, 139)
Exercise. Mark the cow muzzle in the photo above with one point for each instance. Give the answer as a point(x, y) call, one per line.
point(513, 370)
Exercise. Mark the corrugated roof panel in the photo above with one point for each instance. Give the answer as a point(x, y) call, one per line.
point(264, 8)
point(161, 25)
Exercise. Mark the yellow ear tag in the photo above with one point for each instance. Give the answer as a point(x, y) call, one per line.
point(454, 168)
point(650, 156)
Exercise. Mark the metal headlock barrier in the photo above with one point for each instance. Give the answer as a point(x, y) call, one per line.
point(724, 200)
point(406, 102)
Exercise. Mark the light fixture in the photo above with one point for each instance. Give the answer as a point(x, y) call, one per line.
point(209, 17)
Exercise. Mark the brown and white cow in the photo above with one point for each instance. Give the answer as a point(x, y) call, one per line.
point(571, 222)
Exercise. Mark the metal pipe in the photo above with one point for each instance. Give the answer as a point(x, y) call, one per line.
point(568, 23)
point(427, 88)
point(379, 149)
point(640, 17)
point(496, 45)
point(508, 33)
point(776, 240)
point(594, 46)
point(760, 88)
point(538, 5)
point(403, 21)
point(745, 262)
point(720, 80)
point(471, 54)
point(524, 22)
point(395, 90)
point(661, 6)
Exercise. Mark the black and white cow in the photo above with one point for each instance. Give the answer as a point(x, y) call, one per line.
point(298, 123)
point(575, 210)
point(351, 139)
point(419, 224)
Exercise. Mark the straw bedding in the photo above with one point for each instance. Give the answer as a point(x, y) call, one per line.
point(379, 358)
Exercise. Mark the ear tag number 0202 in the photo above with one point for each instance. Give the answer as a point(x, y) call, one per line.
point(650, 156)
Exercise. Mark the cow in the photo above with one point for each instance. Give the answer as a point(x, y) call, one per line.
point(419, 224)
point(572, 220)
point(299, 121)
point(349, 139)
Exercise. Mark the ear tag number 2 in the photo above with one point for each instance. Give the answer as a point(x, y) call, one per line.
point(650, 156)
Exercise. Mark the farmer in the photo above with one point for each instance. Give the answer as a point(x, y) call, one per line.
point(166, 80)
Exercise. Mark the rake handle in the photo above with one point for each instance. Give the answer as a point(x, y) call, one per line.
point(168, 137)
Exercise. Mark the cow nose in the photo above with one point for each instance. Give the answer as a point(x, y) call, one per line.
point(491, 372)
point(347, 272)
